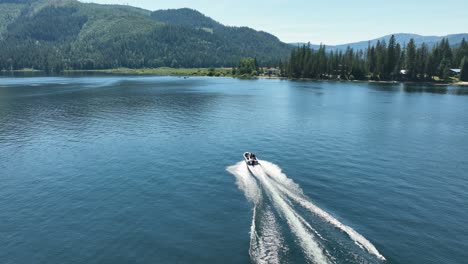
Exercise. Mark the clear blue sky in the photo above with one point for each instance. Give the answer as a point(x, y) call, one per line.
point(330, 21)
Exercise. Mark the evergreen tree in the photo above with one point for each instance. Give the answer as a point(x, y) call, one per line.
point(444, 69)
point(464, 69)
point(380, 49)
point(461, 52)
point(398, 61)
point(421, 60)
point(371, 60)
point(390, 58)
point(411, 59)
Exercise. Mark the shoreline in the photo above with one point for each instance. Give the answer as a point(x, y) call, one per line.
point(163, 71)
point(434, 83)
point(215, 72)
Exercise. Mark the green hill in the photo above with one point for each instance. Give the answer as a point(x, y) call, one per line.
point(53, 35)
point(185, 17)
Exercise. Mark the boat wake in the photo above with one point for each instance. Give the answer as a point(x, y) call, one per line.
point(288, 227)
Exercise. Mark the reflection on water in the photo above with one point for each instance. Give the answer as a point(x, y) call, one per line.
point(419, 88)
point(89, 104)
point(425, 89)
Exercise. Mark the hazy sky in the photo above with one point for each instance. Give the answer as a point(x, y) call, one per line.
point(327, 21)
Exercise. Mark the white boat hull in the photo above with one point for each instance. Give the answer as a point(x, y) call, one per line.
point(250, 159)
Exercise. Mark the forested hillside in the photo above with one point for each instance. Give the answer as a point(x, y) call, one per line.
point(53, 35)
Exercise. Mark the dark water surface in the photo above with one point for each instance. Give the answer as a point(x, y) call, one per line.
point(133, 169)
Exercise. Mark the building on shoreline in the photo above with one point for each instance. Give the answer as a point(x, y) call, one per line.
point(455, 72)
point(272, 72)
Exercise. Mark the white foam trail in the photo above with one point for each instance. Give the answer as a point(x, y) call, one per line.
point(275, 172)
point(288, 187)
point(266, 247)
point(246, 182)
point(310, 246)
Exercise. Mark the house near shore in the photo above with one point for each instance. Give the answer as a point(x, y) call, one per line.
point(403, 72)
point(272, 72)
point(455, 72)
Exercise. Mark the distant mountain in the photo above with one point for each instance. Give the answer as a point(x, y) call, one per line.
point(69, 34)
point(314, 46)
point(402, 38)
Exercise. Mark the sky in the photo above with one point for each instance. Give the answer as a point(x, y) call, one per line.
point(329, 21)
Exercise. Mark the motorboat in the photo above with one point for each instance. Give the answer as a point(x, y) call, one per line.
point(250, 159)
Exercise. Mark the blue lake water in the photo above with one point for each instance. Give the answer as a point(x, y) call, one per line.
point(129, 169)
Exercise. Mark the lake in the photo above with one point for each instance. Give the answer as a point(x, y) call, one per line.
point(124, 169)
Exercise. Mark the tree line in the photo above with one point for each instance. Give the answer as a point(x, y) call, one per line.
point(381, 61)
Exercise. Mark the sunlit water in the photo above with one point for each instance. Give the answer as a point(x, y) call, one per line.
point(146, 170)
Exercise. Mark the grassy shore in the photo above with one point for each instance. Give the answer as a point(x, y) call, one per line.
point(23, 70)
point(163, 71)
